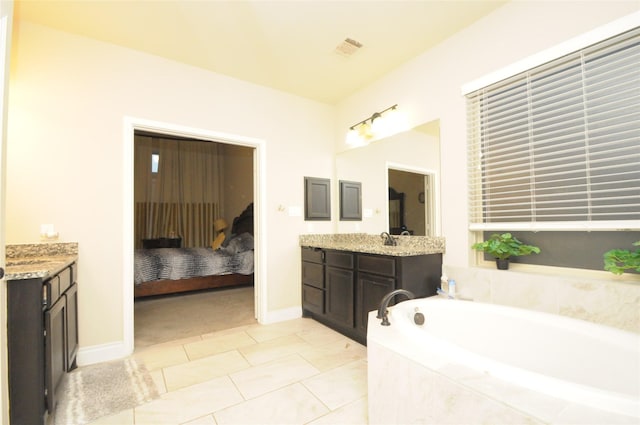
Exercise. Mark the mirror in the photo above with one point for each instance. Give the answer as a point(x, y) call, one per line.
point(399, 176)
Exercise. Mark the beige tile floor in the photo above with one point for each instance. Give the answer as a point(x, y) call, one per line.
point(293, 372)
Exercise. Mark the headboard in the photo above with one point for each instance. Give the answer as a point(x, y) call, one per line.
point(244, 222)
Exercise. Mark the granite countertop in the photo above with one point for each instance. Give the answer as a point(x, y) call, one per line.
point(28, 261)
point(374, 244)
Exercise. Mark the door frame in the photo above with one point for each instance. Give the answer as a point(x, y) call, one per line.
point(131, 124)
point(432, 209)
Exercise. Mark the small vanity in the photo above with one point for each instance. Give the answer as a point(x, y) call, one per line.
point(344, 276)
point(42, 326)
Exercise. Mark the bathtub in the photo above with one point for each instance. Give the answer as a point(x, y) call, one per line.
point(482, 363)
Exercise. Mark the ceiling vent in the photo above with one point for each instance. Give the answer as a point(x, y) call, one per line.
point(348, 47)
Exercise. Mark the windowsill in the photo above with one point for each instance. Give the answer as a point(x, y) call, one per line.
point(562, 272)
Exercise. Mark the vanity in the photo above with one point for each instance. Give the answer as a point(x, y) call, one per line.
point(344, 276)
point(42, 326)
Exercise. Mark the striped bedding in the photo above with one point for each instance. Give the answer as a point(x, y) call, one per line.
point(236, 256)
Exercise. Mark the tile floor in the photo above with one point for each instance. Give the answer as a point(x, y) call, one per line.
point(293, 372)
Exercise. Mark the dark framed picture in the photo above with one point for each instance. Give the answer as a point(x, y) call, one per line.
point(350, 201)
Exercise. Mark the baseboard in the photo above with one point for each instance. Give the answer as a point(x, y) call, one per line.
point(102, 353)
point(282, 315)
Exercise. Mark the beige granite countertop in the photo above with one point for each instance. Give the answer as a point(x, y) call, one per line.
point(28, 261)
point(374, 244)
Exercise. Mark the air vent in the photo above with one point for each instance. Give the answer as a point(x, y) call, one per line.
point(348, 47)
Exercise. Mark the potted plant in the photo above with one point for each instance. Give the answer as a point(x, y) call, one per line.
point(618, 260)
point(503, 246)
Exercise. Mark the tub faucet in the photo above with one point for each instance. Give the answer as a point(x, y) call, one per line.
point(388, 239)
point(382, 310)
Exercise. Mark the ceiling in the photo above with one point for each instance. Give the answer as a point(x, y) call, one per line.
point(286, 45)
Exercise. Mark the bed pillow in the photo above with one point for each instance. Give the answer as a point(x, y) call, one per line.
point(240, 243)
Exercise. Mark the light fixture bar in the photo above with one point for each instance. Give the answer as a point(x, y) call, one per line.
point(373, 116)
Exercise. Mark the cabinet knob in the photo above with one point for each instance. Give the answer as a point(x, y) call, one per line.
point(1, 272)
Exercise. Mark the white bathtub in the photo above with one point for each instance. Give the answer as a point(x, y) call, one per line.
point(510, 365)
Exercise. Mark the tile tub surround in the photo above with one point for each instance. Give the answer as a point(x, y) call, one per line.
point(26, 261)
point(373, 244)
point(599, 298)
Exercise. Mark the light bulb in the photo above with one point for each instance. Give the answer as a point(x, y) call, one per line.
point(353, 138)
point(379, 126)
point(396, 121)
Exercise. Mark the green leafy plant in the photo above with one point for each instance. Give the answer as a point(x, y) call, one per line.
point(503, 246)
point(618, 260)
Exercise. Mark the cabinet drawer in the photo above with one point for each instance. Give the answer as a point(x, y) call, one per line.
point(313, 255)
point(313, 274)
point(65, 279)
point(339, 259)
point(313, 299)
point(385, 266)
point(51, 291)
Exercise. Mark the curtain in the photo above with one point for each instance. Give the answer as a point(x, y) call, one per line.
point(183, 196)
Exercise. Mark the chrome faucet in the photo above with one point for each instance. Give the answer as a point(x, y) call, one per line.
point(382, 310)
point(388, 239)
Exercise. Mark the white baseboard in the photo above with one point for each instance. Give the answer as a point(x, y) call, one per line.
point(282, 315)
point(102, 353)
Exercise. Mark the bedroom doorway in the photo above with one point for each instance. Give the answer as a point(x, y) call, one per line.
point(244, 183)
point(196, 198)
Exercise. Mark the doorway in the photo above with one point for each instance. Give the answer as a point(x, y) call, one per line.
point(411, 200)
point(131, 125)
point(189, 194)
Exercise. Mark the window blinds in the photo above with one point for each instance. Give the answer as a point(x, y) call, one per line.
point(558, 146)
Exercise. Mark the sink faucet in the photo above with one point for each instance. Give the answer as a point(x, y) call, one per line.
point(382, 310)
point(388, 239)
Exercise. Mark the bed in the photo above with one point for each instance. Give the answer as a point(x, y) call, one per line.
point(162, 271)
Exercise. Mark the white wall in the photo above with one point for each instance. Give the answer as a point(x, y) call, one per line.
point(68, 98)
point(429, 88)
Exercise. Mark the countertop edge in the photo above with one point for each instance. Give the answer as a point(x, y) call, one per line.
point(42, 271)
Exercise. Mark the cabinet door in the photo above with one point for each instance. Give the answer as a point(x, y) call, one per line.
point(371, 290)
point(25, 343)
point(55, 350)
point(72, 326)
point(317, 199)
point(339, 296)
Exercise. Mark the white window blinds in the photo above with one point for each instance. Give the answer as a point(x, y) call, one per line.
point(558, 146)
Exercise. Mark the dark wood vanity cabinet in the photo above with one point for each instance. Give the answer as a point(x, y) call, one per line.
point(42, 333)
point(339, 282)
point(340, 288)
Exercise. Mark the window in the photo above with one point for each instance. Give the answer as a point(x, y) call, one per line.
point(557, 147)
point(155, 162)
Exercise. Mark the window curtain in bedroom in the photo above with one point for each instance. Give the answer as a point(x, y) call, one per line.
point(182, 197)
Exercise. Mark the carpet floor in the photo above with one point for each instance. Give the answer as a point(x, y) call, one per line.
point(171, 317)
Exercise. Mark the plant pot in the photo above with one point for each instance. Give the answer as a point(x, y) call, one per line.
point(502, 264)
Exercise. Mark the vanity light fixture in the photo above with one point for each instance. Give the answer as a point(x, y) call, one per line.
point(379, 124)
